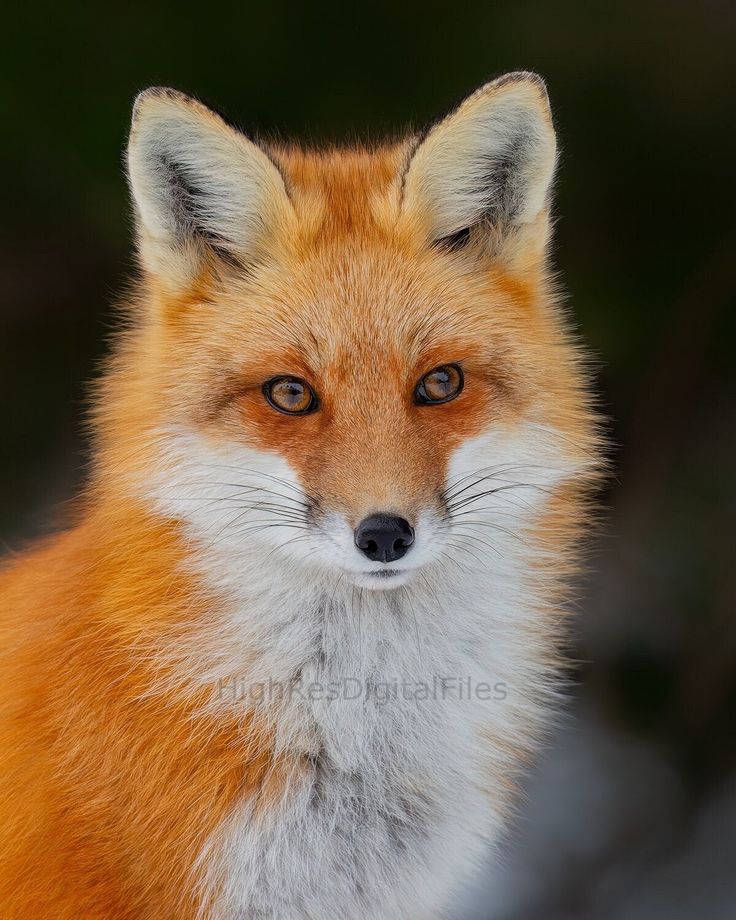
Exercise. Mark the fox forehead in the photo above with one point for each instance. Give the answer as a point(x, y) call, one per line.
point(363, 300)
point(351, 188)
point(336, 301)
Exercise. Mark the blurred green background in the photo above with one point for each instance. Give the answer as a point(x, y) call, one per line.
point(644, 99)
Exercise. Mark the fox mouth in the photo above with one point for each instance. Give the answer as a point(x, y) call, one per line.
point(381, 579)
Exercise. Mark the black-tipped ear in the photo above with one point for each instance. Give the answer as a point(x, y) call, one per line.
point(490, 161)
point(196, 183)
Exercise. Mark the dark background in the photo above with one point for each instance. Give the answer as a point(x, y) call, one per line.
point(632, 813)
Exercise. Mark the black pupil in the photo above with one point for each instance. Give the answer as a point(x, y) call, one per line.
point(291, 393)
point(441, 383)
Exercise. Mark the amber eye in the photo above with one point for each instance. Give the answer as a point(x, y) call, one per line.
point(290, 395)
point(440, 385)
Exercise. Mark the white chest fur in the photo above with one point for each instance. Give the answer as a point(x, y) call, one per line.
point(387, 704)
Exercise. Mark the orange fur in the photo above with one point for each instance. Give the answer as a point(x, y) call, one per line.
point(111, 785)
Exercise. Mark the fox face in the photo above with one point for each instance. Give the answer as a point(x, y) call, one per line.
point(346, 354)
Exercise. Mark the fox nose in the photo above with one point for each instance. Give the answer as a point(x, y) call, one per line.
point(384, 537)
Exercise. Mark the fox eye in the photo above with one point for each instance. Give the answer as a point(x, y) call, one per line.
point(290, 395)
point(440, 385)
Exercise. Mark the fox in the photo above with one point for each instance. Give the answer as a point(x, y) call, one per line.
point(304, 632)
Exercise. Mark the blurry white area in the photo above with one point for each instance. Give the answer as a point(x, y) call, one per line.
point(605, 833)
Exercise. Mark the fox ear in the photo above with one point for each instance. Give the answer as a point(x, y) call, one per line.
point(199, 186)
point(489, 164)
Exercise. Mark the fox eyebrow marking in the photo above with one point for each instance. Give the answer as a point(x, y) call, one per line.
point(315, 342)
point(297, 334)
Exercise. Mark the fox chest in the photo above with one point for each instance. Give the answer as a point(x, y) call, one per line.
point(372, 826)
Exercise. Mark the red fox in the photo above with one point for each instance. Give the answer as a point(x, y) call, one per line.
point(302, 638)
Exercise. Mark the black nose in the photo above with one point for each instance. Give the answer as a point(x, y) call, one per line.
point(384, 537)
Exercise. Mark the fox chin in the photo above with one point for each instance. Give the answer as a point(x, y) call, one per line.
point(345, 443)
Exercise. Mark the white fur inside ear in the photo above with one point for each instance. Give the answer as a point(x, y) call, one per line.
point(492, 159)
point(195, 180)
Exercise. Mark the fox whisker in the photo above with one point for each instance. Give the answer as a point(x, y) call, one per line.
point(491, 525)
point(277, 479)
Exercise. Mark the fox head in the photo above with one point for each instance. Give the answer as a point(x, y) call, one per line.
point(349, 357)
